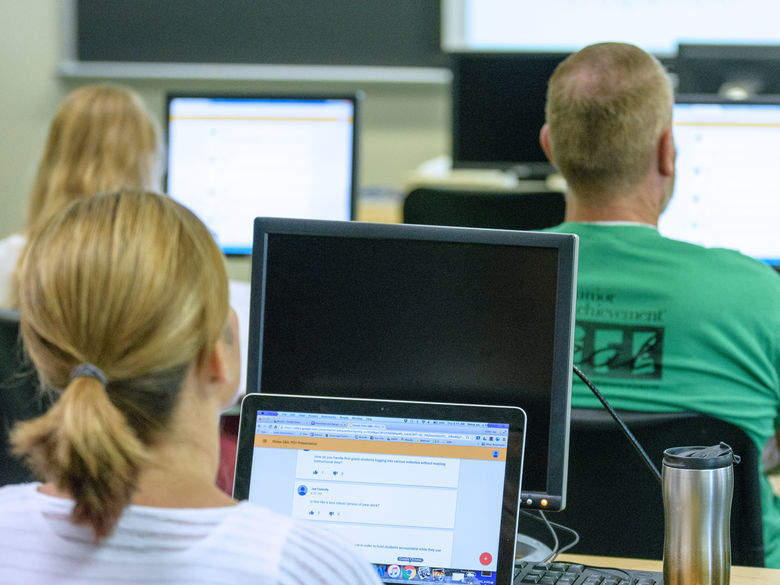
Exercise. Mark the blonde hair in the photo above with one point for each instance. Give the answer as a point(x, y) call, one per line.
point(133, 283)
point(101, 139)
point(607, 106)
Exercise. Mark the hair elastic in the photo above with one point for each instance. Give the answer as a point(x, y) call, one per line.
point(88, 371)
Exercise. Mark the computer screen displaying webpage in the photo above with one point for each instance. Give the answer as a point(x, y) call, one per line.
point(422, 499)
point(233, 159)
point(727, 192)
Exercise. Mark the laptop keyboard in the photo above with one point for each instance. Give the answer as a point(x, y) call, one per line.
point(575, 574)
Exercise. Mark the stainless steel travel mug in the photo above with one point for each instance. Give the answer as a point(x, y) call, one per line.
point(698, 483)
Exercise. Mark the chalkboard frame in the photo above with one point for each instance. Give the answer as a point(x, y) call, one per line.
point(113, 66)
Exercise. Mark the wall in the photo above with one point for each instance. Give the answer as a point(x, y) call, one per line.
point(29, 49)
point(403, 124)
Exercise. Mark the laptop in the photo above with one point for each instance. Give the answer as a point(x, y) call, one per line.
point(428, 492)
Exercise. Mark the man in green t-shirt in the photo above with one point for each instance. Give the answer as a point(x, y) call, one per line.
point(662, 325)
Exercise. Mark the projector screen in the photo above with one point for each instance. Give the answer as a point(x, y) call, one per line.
point(657, 26)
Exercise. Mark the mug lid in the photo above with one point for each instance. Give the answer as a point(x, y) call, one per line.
point(712, 457)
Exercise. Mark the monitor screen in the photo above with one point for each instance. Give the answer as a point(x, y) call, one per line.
point(727, 193)
point(233, 158)
point(498, 109)
point(410, 312)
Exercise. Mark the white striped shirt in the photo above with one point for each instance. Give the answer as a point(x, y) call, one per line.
point(231, 546)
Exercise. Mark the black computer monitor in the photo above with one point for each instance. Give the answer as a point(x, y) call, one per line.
point(737, 71)
point(726, 192)
point(498, 109)
point(232, 158)
point(426, 313)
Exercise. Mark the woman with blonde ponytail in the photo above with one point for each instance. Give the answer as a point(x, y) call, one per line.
point(124, 313)
point(102, 138)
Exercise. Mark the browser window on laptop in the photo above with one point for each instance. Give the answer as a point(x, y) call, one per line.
point(419, 491)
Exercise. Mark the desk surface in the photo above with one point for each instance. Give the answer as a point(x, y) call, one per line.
point(739, 575)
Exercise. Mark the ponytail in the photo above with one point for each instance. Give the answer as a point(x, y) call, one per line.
point(134, 282)
point(84, 445)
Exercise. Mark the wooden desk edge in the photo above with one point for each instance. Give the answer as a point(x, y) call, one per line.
point(739, 575)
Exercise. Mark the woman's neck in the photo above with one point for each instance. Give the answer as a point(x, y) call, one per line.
point(182, 469)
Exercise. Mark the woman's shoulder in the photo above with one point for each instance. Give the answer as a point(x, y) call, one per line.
point(307, 548)
point(11, 245)
point(10, 250)
point(17, 492)
point(18, 507)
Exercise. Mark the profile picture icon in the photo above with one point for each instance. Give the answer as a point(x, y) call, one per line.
point(302, 490)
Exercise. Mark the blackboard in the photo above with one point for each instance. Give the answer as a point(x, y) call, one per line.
point(395, 33)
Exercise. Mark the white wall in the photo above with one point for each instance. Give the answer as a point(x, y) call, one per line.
point(403, 124)
point(29, 94)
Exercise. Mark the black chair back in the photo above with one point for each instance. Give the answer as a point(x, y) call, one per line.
point(512, 210)
point(615, 503)
point(20, 398)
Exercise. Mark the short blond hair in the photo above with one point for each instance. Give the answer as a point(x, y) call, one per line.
point(607, 106)
point(101, 139)
point(133, 283)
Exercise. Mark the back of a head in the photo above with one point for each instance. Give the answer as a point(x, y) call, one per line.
point(101, 139)
point(607, 106)
point(133, 283)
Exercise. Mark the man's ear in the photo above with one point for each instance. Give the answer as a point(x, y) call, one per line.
point(544, 140)
point(666, 154)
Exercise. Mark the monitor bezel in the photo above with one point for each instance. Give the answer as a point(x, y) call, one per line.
point(553, 497)
point(718, 99)
point(732, 63)
point(356, 98)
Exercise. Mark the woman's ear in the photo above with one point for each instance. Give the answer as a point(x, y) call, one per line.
point(220, 369)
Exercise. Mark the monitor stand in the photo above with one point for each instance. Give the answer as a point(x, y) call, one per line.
point(532, 536)
point(530, 549)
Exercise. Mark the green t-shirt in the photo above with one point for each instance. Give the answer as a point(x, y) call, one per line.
point(664, 325)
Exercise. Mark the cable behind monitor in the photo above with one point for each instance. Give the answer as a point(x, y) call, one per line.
point(626, 431)
point(551, 526)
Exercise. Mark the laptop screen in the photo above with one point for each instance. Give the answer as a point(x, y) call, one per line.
point(420, 494)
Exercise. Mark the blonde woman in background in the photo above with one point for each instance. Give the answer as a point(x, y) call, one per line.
point(101, 139)
point(124, 311)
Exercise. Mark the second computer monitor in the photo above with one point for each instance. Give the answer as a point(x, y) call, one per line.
point(232, 158)
point(727, 192)
point(426, 313)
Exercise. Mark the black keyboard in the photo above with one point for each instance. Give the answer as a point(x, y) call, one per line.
point(574, 574)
